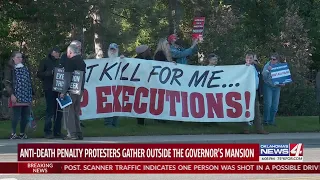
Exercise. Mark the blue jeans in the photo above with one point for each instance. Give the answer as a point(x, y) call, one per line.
point(271, 96)
point(111, 121)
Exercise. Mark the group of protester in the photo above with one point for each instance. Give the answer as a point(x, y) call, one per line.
point(19, 88)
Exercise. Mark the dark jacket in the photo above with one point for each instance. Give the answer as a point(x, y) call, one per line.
point(160, 56)
point(74, 64)
point(63, 60)
point(260, 89)
point(46, 71)
point(139, 56)
point(10, 79)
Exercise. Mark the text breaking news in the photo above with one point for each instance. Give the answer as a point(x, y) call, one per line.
point(160, 159)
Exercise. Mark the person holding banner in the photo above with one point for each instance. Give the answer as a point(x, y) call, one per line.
point(212, 59)
point(113, 52)
point(143, 52)
point(271, 92)
point(74, 62)
point(257, 115)
point(46, 73)
point(162, 52)
point(179, 54)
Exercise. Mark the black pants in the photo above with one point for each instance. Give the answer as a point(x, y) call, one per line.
point(22, 114)
point(52, 113)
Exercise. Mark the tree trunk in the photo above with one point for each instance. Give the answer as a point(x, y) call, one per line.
point(171, 13)
point(98, 32)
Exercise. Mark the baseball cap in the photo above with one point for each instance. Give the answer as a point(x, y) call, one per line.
point(113, 46)
point(172, 37)
point(141, 49)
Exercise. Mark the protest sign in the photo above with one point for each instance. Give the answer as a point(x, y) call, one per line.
point(198, 27)
point(280, 74)
point(163, 90)
point(58, 81)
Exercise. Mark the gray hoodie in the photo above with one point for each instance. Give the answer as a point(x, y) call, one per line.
point(267, 75)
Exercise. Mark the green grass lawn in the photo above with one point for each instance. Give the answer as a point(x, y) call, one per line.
point(129, 127)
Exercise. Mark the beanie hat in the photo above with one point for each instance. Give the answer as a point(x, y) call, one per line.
point(141, 49)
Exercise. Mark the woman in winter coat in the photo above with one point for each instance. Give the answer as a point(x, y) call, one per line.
point(18, 85)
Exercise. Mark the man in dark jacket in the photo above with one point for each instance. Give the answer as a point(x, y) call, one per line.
point(46, 74)
point(64, 59)
point(257, 115)
point(259, 70)
point(143, 52)
point(74, 62)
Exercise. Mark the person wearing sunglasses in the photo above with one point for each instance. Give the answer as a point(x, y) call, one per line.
point(271, 92)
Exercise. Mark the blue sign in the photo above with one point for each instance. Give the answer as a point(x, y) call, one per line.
point(280, 74)
point(274, 150)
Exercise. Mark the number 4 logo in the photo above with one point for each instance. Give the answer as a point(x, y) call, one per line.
point(296, 149)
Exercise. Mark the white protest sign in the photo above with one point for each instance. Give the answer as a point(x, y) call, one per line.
point(162, 90)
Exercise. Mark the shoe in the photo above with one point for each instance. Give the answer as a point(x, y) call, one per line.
point(70, 138)
point(80, 136)
point(13, 136)
point(58, 135)
point(263, 132)
point(48, 136)
point(23, 136)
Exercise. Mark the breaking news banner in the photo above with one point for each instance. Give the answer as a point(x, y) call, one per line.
point(280, 74)
point(158, 168)
point(138, 152)
point(160, 159)
point(163, 90)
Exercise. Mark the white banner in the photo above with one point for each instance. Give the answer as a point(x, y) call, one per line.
point(163, 90)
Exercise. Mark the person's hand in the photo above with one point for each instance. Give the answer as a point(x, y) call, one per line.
point(62, 96)
point(13, 99)
point(122, 56)
point(174, 62)
point(269, 68)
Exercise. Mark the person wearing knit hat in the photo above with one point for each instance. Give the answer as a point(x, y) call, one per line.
point(143, 52)
point(179, 54)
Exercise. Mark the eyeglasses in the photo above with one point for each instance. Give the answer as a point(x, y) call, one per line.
point(273, 59)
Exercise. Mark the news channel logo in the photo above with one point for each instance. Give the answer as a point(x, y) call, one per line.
point(281, 152)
